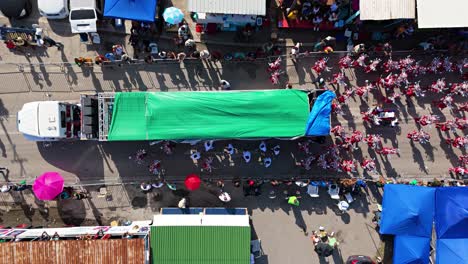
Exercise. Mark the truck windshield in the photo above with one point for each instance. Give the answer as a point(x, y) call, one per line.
point(82, 14)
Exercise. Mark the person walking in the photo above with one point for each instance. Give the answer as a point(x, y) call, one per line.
point(293, 200)
point(225, 85)
point(295, 51)
point(50, 42)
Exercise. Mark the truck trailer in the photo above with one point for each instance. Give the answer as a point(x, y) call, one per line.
point(126, 116)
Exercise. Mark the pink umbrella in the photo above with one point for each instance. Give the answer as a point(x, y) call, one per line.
point(48, 186)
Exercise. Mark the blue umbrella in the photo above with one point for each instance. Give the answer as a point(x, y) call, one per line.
point(173, 15)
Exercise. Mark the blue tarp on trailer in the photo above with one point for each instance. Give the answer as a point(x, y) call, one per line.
point(318, 123)
point(139, 10)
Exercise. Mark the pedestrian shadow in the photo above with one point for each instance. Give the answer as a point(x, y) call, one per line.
point(348, 117)
point(418, 158)
point(374, 156)
point(3, 149)
point(72, 212)
point(96, 82)
point(448, 149)
point(299, 219)
point(192, 71)
point(337, 257)
point(44, 72)
point(389, 169)
point(429, 150)
point(4, 113)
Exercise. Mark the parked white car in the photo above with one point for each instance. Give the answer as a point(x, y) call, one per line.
point(53, 9)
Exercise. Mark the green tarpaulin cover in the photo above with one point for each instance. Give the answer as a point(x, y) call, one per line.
point(209, 115)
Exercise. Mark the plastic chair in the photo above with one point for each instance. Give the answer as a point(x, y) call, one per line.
point(349, 197)
point(256, 248)
point(334, 191)
point(313, 190)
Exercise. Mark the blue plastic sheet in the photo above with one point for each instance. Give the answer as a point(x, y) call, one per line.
point(318, 123)
point(452, 251)
point(407, 210)
point(140, 10)
point(451, 213)
point(411, 249)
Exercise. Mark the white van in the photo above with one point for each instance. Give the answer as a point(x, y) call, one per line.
point(83, 16)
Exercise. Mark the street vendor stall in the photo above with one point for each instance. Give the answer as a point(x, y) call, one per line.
point(20, 36)
point(313, 14)
point(223, 15)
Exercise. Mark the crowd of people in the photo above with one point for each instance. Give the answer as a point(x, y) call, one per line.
point(316, 12)
point(399, 78)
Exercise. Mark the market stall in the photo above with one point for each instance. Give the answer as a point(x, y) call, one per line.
point(227, 15)
point(20, 36)
point(313, 14)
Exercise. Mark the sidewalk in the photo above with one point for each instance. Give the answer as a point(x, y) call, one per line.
point(353, 229)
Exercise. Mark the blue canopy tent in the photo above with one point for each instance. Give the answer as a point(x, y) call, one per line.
point(411, 250)
point(140, 10)
point(407, 210)
point(451, 212)
point(453, 251)
point(318, 123)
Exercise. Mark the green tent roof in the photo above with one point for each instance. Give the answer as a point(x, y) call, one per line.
point(209, 115)
point(200, 244)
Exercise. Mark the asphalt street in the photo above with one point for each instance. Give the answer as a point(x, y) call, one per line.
point(49, 74)
point(87, 162)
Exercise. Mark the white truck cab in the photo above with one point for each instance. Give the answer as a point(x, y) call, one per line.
point(49, 121)
point(83, 16)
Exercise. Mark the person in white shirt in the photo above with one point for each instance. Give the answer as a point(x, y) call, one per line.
point(183, 32)
point(196, 155)
point(205, 55)
point(316, 21)
point(276, 150)
point(190, 43)
point(267, 162)
point(316, 9)
point(247, 156)
point(295, 50)
point(225, 197)
point(145, 187)
point(229, 149)
point(209, 145)
point(263, 146)
point(225, 85)
point(182, 203)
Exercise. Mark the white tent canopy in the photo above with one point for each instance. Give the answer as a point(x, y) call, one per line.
point(235, 7)
point(387, 9)
point(442, 14)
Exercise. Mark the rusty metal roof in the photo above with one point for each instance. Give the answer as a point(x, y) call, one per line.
point(112, 251)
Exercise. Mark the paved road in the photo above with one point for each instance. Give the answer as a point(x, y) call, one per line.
point(90, 161)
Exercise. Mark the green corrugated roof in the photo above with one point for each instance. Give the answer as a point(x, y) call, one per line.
point(200, 245)
point(209, 115)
